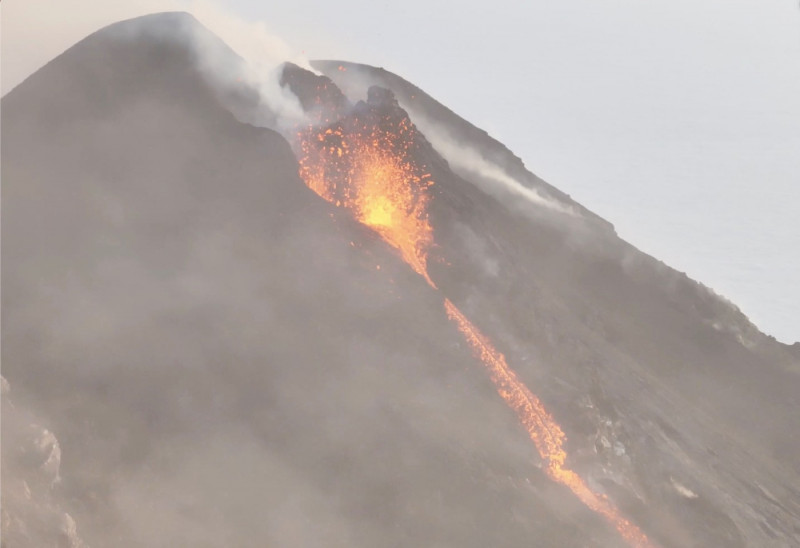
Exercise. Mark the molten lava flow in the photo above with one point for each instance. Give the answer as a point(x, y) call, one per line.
point(369, 169)
point(545, 433)
point(370, 172)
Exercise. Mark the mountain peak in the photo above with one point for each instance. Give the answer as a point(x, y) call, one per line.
point(147, 56)
point(167, 24)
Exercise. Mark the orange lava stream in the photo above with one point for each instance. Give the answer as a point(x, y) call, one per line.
point(368, 169)
point(545, 433)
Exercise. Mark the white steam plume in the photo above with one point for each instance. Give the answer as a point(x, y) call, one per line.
point(263, 55)
point(491, 178)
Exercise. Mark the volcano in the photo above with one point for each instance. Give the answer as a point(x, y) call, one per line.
point(374, 328)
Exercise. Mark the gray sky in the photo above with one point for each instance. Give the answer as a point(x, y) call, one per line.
point(677, 120)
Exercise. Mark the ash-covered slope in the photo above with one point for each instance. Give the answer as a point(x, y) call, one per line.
point(227, 359)
point(224, 358)
point(671, 399)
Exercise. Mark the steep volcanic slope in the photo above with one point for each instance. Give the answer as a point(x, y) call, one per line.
point(670, 398)
point(225, 358)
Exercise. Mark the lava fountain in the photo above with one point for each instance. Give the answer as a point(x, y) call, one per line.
point(365, 163)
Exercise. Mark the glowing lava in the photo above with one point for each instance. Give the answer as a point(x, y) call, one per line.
point(368, 168)
point(545, 433)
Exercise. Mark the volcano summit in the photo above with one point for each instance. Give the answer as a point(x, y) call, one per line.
point(371, 326)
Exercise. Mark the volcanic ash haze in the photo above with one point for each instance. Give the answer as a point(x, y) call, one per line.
point(222, 332)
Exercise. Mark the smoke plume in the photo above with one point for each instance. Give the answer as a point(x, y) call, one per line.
point(263, 55)
point(491, 178)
